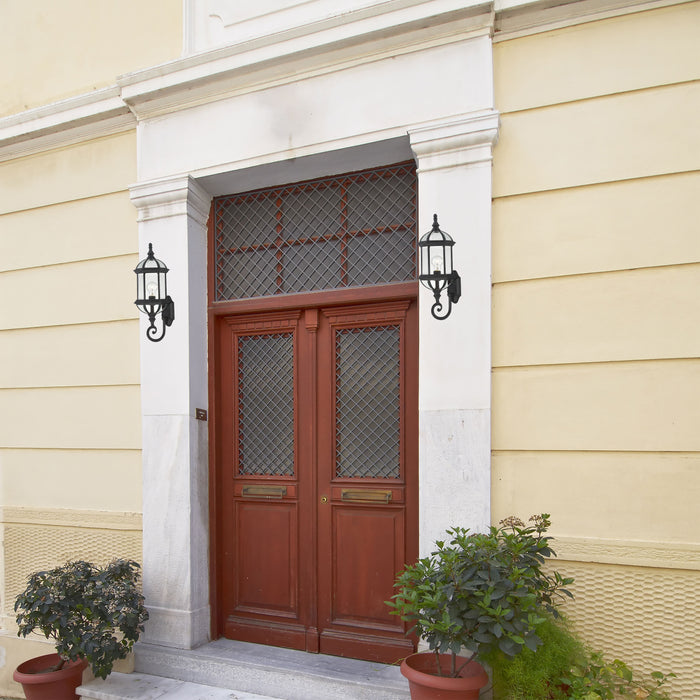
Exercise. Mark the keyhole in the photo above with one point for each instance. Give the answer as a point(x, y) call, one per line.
point(324, 499)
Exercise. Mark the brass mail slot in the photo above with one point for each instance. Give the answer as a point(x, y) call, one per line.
point(365, 496)
point(265, 491)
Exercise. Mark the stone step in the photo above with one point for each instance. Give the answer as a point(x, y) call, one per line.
point(140, 686)
point(272, 672)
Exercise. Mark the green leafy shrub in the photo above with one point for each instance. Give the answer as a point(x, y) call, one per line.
point(482, 592)
point(90, 612)
point(600, 679)
point(536, 675)
point(562, 668)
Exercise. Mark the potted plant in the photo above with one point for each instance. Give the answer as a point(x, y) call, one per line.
point(478, 592)
point(94, 615)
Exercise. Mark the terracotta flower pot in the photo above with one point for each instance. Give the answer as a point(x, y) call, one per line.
point(40, 684)
point(425, 684)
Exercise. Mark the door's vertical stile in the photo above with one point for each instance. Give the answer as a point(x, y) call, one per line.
point(215, 353)
point(226, 432)
point(324, 475)
point(308, 457)
point(409, 426)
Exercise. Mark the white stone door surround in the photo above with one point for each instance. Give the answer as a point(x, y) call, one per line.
point(453, 152)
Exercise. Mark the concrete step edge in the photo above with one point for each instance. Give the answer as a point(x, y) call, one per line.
point(141, 686)
point(287, 682)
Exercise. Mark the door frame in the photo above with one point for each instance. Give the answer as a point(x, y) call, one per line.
point(217, 311)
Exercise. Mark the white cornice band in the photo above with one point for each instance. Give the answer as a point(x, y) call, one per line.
point(345, 38)
point(94, 114)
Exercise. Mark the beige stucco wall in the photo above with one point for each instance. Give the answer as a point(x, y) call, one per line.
point(70, 433)
point(596, 347)
point(52, 50)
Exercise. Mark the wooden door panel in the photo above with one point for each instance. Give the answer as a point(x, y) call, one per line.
point(265, 567)
point(368, 546)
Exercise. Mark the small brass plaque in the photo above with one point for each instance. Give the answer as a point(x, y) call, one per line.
point(366, 496)
point(265, 491)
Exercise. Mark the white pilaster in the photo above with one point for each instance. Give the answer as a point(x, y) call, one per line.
point(454, 182)
point(172, 215)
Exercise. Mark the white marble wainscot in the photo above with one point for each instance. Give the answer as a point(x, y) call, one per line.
point(176, 582)
point(455, 455)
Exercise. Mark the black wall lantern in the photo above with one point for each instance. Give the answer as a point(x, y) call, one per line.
point(152, 294)
point(436, 270)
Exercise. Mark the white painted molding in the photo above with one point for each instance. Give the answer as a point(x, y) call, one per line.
point(349, 38)
point(160, 199)
point(462, 141)
point(91, 115)
point(240, 23)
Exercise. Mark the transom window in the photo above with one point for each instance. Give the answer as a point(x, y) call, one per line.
point(352, 230)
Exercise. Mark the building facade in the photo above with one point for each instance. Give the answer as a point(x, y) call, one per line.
point(274, 162)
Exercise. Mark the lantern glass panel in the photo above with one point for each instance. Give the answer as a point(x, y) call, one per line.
point(448, 259)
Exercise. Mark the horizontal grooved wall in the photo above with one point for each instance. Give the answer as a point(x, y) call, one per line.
point(596, 349)
point(70, 435)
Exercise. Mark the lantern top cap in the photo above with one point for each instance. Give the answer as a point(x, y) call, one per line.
point(431, 239)
point(150, 263)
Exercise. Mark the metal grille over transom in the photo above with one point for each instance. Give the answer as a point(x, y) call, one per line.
point(367, 403)
point(348, 231)
point(266, 404)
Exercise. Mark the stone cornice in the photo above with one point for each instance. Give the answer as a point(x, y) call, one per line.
point(332, 43)
point(176, 196)
point(464, 140)
point(94, 114)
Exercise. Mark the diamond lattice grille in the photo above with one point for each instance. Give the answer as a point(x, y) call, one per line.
point(367, 403)
point(266, 404)
point(347, 231)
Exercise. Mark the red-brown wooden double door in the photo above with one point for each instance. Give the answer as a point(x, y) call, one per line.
point(316, 475)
